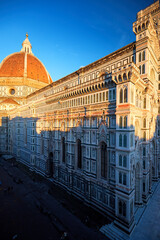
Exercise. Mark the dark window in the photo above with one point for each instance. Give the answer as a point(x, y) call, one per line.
point(139, 57)
point(124, 179)
point(124, 161)
point(120, 140)
point(121, 96)
point(143, 68)
point(143, 56)
point(120, 122)
point(144, 187)
point(104, 160)
point(125, 95)
point(120, 160)
point(144, 103)
point(124, 141)
point(125, 122)
point(63, 149)
point(144, 122)
point(120, 177)
point(140, 69)
point(79, 153)
point(144, 164)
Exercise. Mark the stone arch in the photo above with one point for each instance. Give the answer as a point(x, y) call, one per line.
point(119, 78)
point(124, 76)
point(139, 28)
point(102, 164)
point(143, 26)
point(129, 75)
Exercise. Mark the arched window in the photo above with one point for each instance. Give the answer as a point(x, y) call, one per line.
point(124, 179)
point(140, 69)
point(121, 96)
point(120, 160)
point(125, 95)
point(79, 153)
point(143, 69)
point(124, 161)
point(144, 122)
point(120, 140)
point(120, 177)
point(143, 56)
point(125, 122)
point(125, 140)
point(144, 103)
point(139, 57)
point(104, 160)
point(63, 149)
point(120, 78)
point(144, 136)
point(120, 121)
point(144, 151)
point(124, 76)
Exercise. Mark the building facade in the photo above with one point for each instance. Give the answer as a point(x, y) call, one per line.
point(96, 131)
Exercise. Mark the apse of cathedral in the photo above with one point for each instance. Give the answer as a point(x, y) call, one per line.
point(96, 132)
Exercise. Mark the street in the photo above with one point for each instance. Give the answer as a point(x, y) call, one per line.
point(33, 208)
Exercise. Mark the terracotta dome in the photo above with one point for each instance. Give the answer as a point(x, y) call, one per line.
point(14, 66)
point(24, 64)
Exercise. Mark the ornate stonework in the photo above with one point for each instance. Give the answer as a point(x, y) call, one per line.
point(95, 131)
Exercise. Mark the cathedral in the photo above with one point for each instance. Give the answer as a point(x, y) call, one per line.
point(96, 131)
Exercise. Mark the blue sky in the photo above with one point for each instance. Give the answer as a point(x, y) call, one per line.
point(66, 34)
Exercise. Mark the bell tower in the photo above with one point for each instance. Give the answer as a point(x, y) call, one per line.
point(148, 22)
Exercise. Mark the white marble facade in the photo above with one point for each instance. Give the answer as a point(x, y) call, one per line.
point(97, 131)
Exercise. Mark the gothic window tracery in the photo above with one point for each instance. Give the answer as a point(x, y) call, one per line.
point(104, 160)
point(79, 154)
point(121, 96)
point(125, 95)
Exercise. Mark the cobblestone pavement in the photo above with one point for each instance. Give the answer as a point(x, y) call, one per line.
point(28, 211)
point(148, 227)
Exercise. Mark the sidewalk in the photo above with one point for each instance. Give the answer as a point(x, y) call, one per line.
point(148, 227)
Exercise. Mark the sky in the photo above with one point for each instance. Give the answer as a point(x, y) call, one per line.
point(67, 34)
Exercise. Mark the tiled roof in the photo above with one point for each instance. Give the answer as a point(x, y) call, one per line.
point(9, 101)
point(36, 70)
point(13, 66)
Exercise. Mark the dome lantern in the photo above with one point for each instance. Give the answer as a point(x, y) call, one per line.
point(26, 45)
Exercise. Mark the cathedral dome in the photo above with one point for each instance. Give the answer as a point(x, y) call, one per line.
point(24, 65)
point(21, 74)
